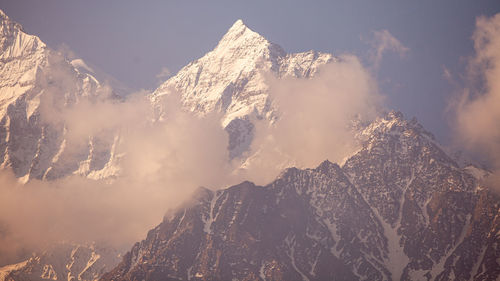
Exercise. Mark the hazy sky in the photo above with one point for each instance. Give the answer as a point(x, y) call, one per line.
point(134, 40)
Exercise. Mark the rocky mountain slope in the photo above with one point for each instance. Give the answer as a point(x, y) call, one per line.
point(399, 209)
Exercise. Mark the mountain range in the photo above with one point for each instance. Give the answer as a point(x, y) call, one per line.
point(399, 208)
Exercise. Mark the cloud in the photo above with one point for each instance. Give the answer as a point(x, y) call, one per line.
point(477, 109)
point(164, 74)
point(315, 120)
point(382, 42)
point(66, 51)
point(162, 163)
point(447, 74)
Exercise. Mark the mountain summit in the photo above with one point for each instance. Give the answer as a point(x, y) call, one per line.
point(231, 79)
point(239, 36)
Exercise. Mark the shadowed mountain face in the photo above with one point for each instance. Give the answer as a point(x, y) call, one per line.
point(399, 209)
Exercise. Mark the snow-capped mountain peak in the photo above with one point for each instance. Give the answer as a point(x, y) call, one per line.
point(237, 30)
point(239, 37)
point(34, 77)
point(232, 79)
point(238, 26)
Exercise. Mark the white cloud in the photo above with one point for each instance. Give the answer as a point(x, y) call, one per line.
point(163, 74)
point(163, 162)
point(315, 119)
point(477, 109)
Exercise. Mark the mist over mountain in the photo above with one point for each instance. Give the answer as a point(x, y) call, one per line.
point(399, 209)
point(86, 171)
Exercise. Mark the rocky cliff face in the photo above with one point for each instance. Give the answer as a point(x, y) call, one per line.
point(399, 209)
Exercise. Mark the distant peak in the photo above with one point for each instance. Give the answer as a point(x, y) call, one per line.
point(241, 36)
point(393, 114)
point(239, 29)
point(238, 25)
point(396, 121)
point(326, 166)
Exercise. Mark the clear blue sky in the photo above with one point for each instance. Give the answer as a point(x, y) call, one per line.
point(133, 40)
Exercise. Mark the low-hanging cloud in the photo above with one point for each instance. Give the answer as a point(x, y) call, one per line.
point(477, 109)
point(316, 119)
point(162, 164)
point(163, 161)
